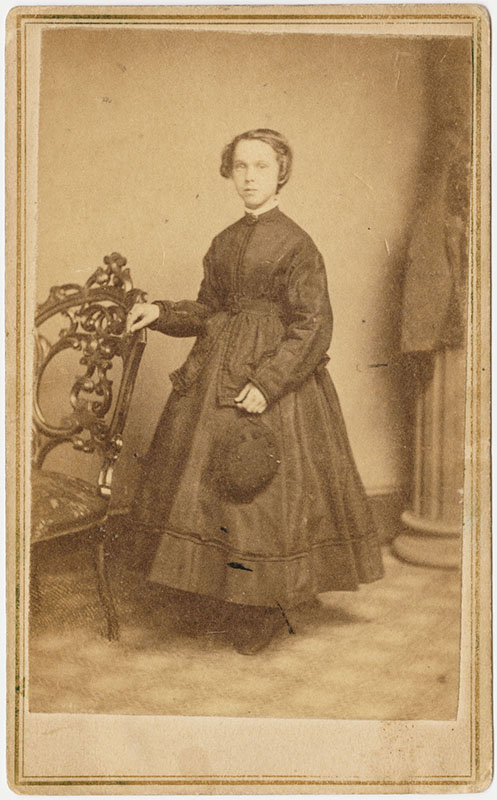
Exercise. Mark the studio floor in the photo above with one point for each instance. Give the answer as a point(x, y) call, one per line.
point(387, 651)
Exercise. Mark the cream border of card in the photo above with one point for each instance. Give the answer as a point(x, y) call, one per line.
point(46, 753)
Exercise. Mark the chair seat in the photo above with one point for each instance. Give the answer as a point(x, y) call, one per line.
point(61, 504)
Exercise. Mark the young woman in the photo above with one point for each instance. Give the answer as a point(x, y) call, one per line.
point(259, 516)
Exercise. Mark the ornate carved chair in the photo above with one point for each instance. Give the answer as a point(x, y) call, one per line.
point(93, 333)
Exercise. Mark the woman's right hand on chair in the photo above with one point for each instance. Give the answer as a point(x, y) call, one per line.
point(141, 315)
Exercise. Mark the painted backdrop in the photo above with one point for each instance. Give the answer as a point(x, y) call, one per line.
point(132, 124)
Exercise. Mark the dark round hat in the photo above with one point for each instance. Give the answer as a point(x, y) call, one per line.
point(247, 458)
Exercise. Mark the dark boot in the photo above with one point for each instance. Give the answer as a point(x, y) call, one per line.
point(195, 614)
point(253, 628)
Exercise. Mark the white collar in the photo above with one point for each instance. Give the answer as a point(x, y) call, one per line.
point(267, 206)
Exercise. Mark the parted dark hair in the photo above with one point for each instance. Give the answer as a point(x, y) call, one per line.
point(276, 140)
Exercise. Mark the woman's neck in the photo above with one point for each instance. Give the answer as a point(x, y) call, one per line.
point(267, 206)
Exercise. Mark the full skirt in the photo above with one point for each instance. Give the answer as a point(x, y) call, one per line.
point(310, 530)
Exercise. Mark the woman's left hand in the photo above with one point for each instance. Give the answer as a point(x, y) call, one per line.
point(251, 399)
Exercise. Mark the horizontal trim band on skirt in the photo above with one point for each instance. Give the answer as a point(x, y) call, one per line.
point(209, 568)
point(225, 547)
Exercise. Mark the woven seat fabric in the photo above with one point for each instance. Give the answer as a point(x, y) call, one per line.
point(61, 504)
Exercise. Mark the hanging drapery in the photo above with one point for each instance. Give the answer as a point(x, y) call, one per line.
point(434, 315)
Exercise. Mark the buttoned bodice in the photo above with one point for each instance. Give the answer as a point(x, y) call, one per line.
point(263, 304)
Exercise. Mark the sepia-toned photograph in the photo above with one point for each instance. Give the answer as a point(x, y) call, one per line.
point(248, 318)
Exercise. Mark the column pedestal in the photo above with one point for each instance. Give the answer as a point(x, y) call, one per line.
point(433, 523)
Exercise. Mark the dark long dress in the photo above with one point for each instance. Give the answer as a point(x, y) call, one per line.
point(262, 314)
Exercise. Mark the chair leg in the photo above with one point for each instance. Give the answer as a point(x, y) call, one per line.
point(105, 593)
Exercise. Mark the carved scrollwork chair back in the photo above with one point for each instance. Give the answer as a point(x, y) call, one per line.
point(93, 318)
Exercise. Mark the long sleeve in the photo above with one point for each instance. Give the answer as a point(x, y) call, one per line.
point(308, 334)
point(187, 317)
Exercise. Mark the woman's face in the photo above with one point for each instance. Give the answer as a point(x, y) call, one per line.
point(255, 172)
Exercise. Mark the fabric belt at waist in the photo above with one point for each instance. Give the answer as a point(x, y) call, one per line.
point(236, 304)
